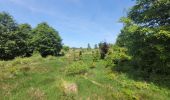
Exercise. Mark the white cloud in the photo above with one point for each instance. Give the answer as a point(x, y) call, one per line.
point(28, 4)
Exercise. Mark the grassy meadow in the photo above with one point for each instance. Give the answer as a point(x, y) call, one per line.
point(66, 78)
point(43, 53)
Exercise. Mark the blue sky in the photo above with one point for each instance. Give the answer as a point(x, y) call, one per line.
point(79, 22)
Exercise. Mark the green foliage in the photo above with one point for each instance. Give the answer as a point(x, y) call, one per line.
point(96, 55)
point(80, 55)
point(26, 32)
point(93, 65)
point(43, 78)
point(151, 13)
point(146, 36)
point(20, 40)
point(46, 40)
point(104, 47)
point(78, 67)
point(66, 48)
point(13, 38)
point(117, 56)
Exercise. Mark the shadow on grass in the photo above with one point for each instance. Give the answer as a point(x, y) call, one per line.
point(138, 75)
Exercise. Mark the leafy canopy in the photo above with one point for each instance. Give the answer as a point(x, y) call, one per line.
point(46, 40)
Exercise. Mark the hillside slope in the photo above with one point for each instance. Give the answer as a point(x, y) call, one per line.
point(38, 78)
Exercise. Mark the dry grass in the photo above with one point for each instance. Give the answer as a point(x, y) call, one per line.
point(68, 87)
point(36, 94)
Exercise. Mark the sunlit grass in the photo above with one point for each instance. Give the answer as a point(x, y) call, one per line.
point(38, 78)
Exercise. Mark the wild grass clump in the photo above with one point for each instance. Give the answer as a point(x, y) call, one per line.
point(93, 65)
point(51, 57)
point(20, 61)
point(2, 63)
point(76, 68)
point(17, 66)
point(111, 76)
point(36, 94)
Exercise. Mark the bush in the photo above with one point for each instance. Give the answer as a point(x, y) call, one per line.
point(66, 48)
point(76, 68)
point(117, 56)
point(104, 47)
point(96, 55)
point(93, 65)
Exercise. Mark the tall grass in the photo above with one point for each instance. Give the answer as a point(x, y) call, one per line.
point(50, 78)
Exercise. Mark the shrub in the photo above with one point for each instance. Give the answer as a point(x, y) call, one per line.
point(25, 69)
point(76, 68)
point(93, 65)
point(117, 56)
point(77, 55)
point(80, 55)
point(66, 48)
point(96, 55)
point(104, 47)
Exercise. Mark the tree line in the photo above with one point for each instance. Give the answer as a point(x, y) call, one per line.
point(143, 44)
point(22, 40)
point(144, 41)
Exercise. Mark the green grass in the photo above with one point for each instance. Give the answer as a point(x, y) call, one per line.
point(38, 78)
